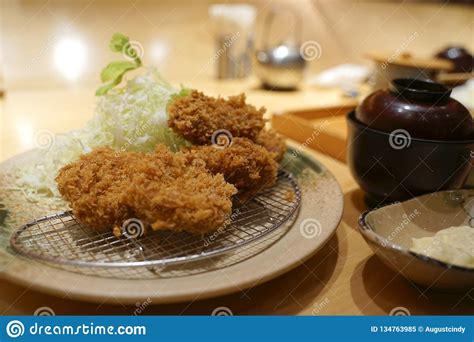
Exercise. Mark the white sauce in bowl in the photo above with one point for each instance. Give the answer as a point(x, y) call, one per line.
point(454, 245)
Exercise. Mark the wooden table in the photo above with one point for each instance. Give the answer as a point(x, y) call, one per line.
point(344, 278)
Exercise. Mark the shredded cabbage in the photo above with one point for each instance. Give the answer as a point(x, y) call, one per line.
point(131, 118)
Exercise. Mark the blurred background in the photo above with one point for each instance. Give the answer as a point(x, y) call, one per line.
point(325, 52)
point(45, 43)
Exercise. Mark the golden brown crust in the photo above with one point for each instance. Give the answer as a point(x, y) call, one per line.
point(196, 117)
point(246, 165)
point(163, 189)
point(273, 142)
point(93, 186)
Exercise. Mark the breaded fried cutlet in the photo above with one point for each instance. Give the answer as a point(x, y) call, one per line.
point(94, 187)
point(246, 165)
point(188, 198)
point(196, 117)
point(273, 142)
point(163, 189)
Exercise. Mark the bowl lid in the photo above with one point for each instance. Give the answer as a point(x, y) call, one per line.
point(420, 90)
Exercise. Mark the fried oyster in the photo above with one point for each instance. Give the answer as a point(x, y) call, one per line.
point(163, 189)
point(196, 117)
point(248, 166)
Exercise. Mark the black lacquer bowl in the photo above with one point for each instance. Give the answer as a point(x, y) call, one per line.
point(395, 166)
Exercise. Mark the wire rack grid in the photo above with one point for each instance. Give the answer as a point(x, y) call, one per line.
point(62, 241)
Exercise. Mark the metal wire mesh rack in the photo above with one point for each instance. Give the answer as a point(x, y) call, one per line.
point(63, 242)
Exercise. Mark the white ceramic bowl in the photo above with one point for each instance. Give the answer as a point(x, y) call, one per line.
point(389, 231)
